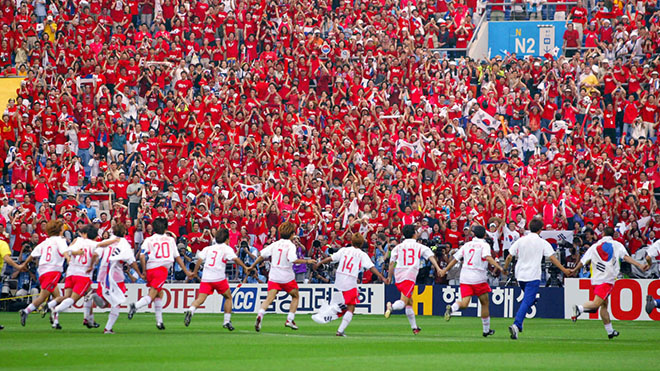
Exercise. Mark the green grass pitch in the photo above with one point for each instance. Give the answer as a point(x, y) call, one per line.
point(372, 343)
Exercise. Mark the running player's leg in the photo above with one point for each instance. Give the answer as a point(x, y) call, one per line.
point(346, 319)
point(272, 293)
point(112, 318)
point(457, 306)
point(143, 302)
point(43, 296)
point(291, 316)
point(485, 314)
point(410, 313)
point(607, 322)
point(226, 323)
point(158, 309)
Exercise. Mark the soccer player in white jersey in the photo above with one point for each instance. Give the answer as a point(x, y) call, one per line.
point(530, 251)
point(351, 261)
point(114, 253)
point(604, 256)
point(51, 253)
point(407, 257)
point(161, 252)
point(215, 258)
point(652, 253)
point(79, 274)
point(475, 256)
point(281, 277)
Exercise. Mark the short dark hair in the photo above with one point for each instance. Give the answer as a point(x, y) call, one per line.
point(221, 235)
point(479, 231)
point(608, 232)
point(160, 225)
point(91, 231)
point(119, 230)
point(536, 225)
point(408, 231)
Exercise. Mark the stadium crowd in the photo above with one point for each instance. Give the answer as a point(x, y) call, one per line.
point(338, 116)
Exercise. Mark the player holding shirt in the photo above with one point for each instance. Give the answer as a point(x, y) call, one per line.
point(604, 256)
point(351, 261)
point(79, 274)
point(114, 253)
point(215, 258)
point(281, 277)
point(475, 256)
point(407, 256)
point(162, 252)
point(51, 253)
point(652, 253)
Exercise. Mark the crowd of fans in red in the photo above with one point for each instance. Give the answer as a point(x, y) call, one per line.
point(335, 115)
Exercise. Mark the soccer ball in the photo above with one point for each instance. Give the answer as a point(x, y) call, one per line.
point(587, 100)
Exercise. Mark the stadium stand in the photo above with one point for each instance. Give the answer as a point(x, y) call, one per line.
point(339, 116)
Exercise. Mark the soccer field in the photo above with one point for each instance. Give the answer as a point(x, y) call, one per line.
point(372, 343)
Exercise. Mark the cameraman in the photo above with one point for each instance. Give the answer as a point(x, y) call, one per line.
point(246, 253)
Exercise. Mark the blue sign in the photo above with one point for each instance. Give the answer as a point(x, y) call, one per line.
point(525, 38)
point(504, 301)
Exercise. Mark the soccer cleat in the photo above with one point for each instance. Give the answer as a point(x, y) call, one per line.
point(291, 325)
point(448, 313)
point(90, 324)
point(576, 313)
point(257, 324)
point(228, 326)
point(416, 330)
point(99, 301)
point(131, 310)
point(650, 304)
point(24, 316)
point(110, 332)
point(388, 311)
point(614, 334)
point(490, 332)
point(44, 311)
point(57, 326)
point(513, 330)
point(187, 318)
point(160, 326)
point(340, 334)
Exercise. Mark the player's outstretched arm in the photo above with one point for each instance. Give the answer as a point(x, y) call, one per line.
point(507, 262)
point(92, 264)
point(557, 263)
point(434, 261)
point(376, 273)
point(304, 261)
point(135, 267)
point(494, 262)
point(256, 262)
point(240, 263)
point(183, 267)
point(390, 272)
point(637, 264)
point(107, 242)
point(198, 264)
point(449, 266)
point(324, 261)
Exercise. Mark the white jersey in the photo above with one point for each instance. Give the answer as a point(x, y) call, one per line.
point(79, 264)
point(51, 254)
point(530, 250)
point(282, 254)
point(351, 262)
point(604, 256)
point(161, 250)
point(215, 259)
point(654, 250)
point(475, 266)
point(120, 251)
point(408, 256)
